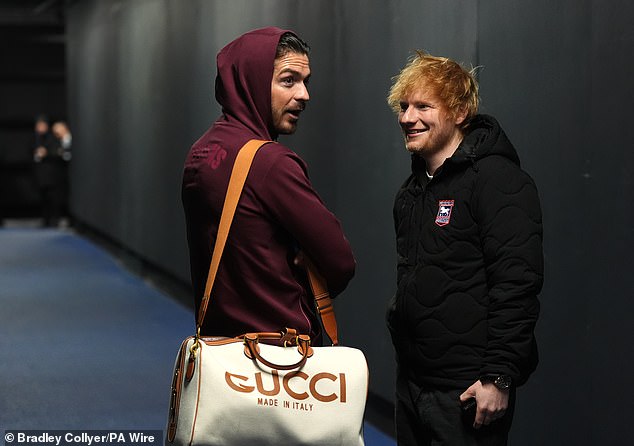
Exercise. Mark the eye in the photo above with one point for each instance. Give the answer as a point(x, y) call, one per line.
point(288, 81)
point(403, 106)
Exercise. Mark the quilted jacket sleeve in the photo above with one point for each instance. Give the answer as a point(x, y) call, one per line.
point(509, 215)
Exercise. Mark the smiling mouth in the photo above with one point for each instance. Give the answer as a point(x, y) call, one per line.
point(414, 132)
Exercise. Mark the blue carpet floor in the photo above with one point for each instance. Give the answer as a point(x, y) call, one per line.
point(84, 344)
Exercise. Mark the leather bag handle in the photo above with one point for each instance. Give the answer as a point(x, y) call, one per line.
point(251, 350)
point(239, 174)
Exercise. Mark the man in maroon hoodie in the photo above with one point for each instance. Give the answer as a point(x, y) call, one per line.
point(262, 87)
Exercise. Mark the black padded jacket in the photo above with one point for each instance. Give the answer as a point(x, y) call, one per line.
point(470, 265)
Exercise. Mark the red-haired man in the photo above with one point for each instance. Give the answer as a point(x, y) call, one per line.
point(469, 241)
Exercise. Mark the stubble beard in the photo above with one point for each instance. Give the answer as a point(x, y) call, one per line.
point(432, 143)
point(421, 148)
point(287, 129)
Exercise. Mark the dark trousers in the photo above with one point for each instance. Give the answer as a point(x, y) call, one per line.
point(53, 204)
point(427, 417)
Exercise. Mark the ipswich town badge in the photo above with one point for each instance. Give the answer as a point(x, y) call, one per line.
point(444, 212)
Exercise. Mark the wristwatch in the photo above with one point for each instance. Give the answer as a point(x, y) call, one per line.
point(502, 382)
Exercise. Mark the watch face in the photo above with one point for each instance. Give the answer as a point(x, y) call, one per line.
point(502, 382)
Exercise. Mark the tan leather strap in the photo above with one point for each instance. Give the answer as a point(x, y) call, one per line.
point(323, 300)
point(236, 183)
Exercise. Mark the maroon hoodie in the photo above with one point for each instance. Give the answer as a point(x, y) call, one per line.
point(258, 287)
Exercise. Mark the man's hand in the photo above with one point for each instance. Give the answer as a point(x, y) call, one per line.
point(492, 402)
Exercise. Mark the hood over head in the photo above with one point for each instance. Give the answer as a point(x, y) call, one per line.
point(243, 82)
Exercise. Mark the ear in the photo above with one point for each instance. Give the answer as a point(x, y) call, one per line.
point(461, 115)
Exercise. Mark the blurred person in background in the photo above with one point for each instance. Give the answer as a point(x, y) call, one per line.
point(64, 139)
point(51, 154)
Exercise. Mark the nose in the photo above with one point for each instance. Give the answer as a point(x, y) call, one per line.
point(407, 116)
point(302, 93)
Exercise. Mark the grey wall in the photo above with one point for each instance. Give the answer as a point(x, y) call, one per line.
point(556, 74)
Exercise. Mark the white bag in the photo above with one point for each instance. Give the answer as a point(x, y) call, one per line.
point(222, 397)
